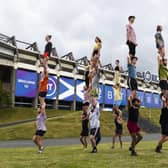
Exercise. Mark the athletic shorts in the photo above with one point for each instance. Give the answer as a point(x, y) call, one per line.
point(85, 132)
point(132, 48)
point(95, 131)
point(85, 104)
point(117, 102)
point(132, 84)
point(164, 129)
point(94, 92)
point(163, 84)
point(119, 131)
point(40, 132)
point(133, 127)
point(42, 94)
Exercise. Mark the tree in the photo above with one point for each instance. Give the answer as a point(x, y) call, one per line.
point(5, 97)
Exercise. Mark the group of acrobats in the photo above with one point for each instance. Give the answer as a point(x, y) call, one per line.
point(43, 88)
point(91, 110)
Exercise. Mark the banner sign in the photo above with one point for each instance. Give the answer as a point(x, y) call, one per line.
point(109, 95)
point(52, 87)
point(66, 89)
point(156, 101)
point(148, 100)
point(26, 84)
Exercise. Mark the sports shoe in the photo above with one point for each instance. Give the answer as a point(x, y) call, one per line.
point(41, 150)
point(158, 149)
point(133, 153)
point(94, 150)
point(130, 148)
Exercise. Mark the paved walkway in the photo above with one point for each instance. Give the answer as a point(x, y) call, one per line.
point(68, 141)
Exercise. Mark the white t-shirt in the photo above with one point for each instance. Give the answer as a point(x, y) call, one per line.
point(41, 121)
point(94, 117)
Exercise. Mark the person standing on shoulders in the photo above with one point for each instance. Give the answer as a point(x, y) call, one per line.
point(160, 41)
point(131, 36)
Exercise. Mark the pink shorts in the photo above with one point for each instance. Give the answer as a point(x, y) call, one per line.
point(133, 127)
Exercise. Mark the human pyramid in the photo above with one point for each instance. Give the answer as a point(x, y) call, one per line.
point(91, 110)
point(43, 88)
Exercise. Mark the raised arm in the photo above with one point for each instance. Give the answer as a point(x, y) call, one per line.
point(130, 101)
point(129, 60)
point(43, 108)
point(160, 61)
point(164, 102)
point(45, 71)
point(119, 119)
point(121, 69)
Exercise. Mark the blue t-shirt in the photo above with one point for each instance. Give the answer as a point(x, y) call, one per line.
point(132, 71)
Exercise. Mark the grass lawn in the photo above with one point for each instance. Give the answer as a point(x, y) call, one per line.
point(67, 126)
point(75, 157)
point(152, 114)
point(8, 115)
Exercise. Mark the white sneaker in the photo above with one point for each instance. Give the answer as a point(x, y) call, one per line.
point(42, 148)
point(39, 152)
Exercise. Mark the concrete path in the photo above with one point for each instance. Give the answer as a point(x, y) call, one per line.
point(68, 141)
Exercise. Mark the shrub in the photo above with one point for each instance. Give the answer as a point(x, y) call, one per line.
point(5, 97)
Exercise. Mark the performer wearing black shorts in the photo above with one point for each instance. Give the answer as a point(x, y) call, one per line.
point(47, 50)
point(132, 82)
point(95, 135)
point(132, 123)
point(41, 128)
point(84, 117)
point(118, 124)
point(131, 37)
point(164, 125)
point(160, 45)
point(85, 129)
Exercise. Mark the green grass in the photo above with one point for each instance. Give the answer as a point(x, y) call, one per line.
point(67, 126)
point(75, 157)
point(8, 115)
point(152, 114)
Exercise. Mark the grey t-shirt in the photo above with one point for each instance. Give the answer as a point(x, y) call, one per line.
point(41, 121)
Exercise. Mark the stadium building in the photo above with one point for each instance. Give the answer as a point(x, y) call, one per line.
point(20, 74)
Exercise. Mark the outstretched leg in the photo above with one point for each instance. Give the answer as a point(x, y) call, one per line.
point(120, 139)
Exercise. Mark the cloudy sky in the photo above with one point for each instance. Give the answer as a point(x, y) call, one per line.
point(75, 23)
